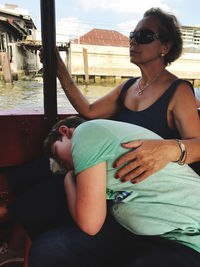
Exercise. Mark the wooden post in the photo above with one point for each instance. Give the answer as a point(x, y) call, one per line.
point(6, 69)
point(85, 61)
point(68, 60)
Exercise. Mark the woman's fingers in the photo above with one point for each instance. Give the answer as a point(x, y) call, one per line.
point(128, 156)
point(146, 159)
point(41, 55)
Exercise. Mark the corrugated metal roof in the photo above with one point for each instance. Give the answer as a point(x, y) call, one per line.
point(103, 37)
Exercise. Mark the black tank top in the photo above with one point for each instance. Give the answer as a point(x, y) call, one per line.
point(154, 117)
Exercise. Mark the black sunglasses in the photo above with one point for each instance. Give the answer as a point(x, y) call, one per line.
point(144, 36)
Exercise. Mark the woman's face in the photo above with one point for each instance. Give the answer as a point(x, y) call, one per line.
point(142, 53)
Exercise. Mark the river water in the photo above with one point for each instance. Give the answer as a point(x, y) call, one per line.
point(28, 95)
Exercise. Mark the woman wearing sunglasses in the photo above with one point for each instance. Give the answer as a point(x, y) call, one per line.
point(158, 101)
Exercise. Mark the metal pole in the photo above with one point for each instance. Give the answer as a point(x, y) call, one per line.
point(47, 8)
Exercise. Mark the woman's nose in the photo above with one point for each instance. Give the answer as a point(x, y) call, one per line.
point(133, 41)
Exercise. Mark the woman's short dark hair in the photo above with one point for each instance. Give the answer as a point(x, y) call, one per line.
point(169, 31)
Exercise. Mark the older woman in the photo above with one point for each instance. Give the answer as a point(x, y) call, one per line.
point(158, 100)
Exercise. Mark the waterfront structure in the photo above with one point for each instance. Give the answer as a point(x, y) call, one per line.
point(20, 42)
point(16, 29)
point(107, 56)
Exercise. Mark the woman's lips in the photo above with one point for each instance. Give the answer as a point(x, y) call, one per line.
point(133, 52)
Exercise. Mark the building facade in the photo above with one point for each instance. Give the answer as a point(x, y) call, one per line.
point(191, 35)
point(16, 30)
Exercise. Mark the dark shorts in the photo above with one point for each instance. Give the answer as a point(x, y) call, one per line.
point(112, 246)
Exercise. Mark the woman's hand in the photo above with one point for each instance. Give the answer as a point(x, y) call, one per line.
point(146, 158)
point(41, 55)
point(62, 73)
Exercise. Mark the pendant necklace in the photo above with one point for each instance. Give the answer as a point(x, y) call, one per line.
point(141, 90)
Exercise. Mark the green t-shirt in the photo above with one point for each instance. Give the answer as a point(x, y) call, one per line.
point(166, 204)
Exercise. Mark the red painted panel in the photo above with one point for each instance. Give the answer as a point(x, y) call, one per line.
point(6, 195)
point(3, 186)
point(21, 137)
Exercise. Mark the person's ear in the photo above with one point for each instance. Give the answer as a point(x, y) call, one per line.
point(166, 48)
point(65, 131)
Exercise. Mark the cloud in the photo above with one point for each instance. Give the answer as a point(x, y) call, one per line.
point(71, 27)
point(14, 9)
point(127, 26)
point(123, 6)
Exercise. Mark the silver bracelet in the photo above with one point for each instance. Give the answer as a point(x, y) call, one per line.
point(183, 155)
point(68, 85)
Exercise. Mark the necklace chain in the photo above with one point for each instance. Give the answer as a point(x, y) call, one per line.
point(141, 90)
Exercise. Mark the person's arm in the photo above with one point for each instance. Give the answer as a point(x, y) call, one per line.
point(86, 197)
point(104, 107)
point(149, 156)
point(187, 122)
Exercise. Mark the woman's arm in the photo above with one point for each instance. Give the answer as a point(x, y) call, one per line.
point(187, 121)
point(87, 198)
point(149, 156)
point(104, 107)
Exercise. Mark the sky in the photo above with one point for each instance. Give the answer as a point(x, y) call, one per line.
point(76, 17)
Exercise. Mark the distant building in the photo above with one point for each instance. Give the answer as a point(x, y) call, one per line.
point(106, 58)
point(16, 29)
point(104, 38)
point(191, 36)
